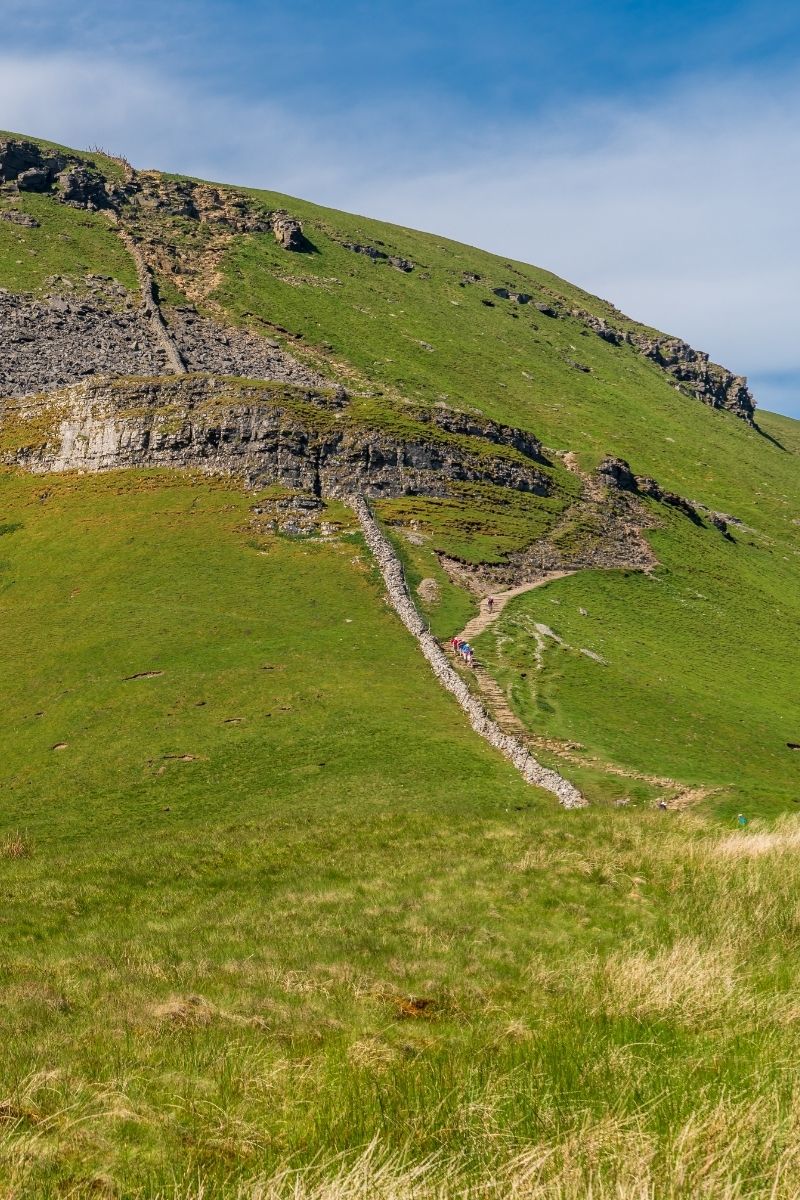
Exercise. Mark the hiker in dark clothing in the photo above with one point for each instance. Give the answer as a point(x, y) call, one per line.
point(490, 603)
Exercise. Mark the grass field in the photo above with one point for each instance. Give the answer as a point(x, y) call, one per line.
point(68, 243)
point(343, 921)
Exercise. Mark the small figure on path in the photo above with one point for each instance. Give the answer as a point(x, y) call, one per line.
point(490, 603)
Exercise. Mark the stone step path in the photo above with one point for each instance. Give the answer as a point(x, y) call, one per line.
point(487, 616)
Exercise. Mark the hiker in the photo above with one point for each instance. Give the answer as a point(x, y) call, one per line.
point(490, 603)
point(471, 658)
point(454, 644)
point(741, 820)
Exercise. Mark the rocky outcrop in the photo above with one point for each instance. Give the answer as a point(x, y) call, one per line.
point(618, 474)
point(147, 193)
point(81, 187)
point(288, 232)
point(306, 440)
point(368, 251)
point(712, 384)
point(28, 167)
point(79, 181)
point(514, 750)
point(503, 293)
point(394, 260)
point(601, 530)
point(709, 382)
point(18, 218)
point(473, 425)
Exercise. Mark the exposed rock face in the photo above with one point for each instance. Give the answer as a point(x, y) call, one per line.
point(82, 188)
point(400, 264)
point(394, 260)
point(147, 192)
point(79, 182)
point(34, 179)
point(305, 440)
point(32, 169)
point(368, 251)
point(17, 158)
point(709, 382)
point(473, 425)
point(602, 529)
point(619, 475)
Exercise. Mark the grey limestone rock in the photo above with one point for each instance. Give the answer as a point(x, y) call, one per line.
point(300, 438)
point(288, 231)
point(18, 218)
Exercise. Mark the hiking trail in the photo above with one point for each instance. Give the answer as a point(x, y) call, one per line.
point(508, 744)
point(679, 795)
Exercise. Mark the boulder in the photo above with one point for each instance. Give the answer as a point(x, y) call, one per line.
point(82, 188)
point(288, 231)
point(35, 179)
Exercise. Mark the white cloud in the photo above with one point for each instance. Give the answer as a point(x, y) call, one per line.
point(683, 213)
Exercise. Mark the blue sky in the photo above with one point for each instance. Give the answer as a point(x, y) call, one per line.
point(649, 151)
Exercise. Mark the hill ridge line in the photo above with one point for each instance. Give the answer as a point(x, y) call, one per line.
point(511, 747)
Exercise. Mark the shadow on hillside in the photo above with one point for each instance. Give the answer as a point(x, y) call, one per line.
point(304, 245)
point(769, 437)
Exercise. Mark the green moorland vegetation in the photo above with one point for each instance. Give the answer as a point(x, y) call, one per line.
point(701, 677)
point(68, 243)
point(274, 921)
point(274, 903)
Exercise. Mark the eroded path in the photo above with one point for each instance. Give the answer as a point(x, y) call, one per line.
point(676, 794)
point(487, 616)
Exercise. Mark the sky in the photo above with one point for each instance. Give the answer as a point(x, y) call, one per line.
point(648, 151)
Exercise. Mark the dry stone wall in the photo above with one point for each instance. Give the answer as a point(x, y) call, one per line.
point(66, 337)
point(158, 326)
point(512, 748)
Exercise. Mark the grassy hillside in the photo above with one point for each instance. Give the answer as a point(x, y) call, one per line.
point(275, 922)
point(692, 651)
point(277, 900)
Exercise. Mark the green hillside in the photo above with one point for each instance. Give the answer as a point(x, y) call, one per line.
point(275, 921)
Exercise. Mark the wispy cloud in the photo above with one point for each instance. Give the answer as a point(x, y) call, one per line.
point(683, 212)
